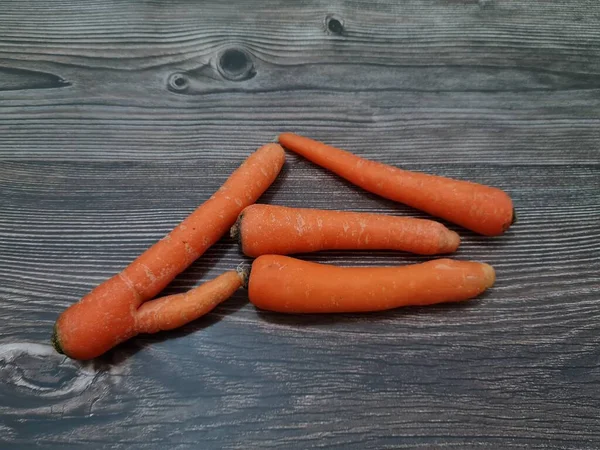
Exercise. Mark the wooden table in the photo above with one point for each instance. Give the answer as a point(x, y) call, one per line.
point(118, 118)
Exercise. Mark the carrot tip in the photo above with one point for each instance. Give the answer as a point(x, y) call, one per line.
point(513, 220)
point(56, 341)
point(451, 242)
point(489, 275)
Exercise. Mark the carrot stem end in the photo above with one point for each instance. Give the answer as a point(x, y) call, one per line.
point(56, 341)
point(243, 271)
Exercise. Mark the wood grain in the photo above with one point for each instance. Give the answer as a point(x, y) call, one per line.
point(118, 118)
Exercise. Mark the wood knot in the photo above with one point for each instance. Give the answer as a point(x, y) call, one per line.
point(236, 65)
point(178, 82)
point(14, 79)
point(334, 24)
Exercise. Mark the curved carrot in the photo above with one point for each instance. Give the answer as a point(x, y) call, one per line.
point(268, 229)
point(483, 209)
point(174, 311)
point(106, 316)
point(288, 285)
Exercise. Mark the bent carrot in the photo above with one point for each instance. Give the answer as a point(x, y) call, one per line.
point(165, 313)
point(174, 311)
point(106, 316)
point(483, 209)
point(289, 285)
point(268, 229)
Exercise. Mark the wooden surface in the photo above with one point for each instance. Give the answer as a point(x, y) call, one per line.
point(117, 118)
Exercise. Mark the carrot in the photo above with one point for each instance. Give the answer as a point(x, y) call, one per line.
point(288, 285)
point(165, 313)
point(483, 209)
point(106, 316)
point(174, 311)
point(267, 229)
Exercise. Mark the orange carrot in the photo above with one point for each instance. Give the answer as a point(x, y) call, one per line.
point(163, 313)
point(288, 285)
point(267, 229)
point(174, 311)
point(106, 316)
point(483, 209)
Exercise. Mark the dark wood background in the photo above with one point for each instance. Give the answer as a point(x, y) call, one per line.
point(118, 118)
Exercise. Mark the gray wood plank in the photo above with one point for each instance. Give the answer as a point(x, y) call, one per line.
point(118, 118)
point(467, 80)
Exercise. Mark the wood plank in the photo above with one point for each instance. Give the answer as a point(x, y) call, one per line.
point(426, 128)
point(118, 118)
point(473, 80)
point(419, 376)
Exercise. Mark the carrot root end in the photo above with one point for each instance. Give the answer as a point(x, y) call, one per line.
point(508, 224)
point(489, 274)
point(451, 241)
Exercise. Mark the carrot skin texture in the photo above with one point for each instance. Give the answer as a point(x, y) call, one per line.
point(106, 316)
point(289, 285)
point(483, 209)
point(280, 230)
point(174, 311)
point(100, 320)
point(152, 272)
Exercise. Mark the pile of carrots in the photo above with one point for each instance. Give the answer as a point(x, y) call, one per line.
point(124, 305)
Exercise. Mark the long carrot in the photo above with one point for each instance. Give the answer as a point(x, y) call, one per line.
point(288, 285)
point(106, 316)
point(268, 229)
point(480, 208)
